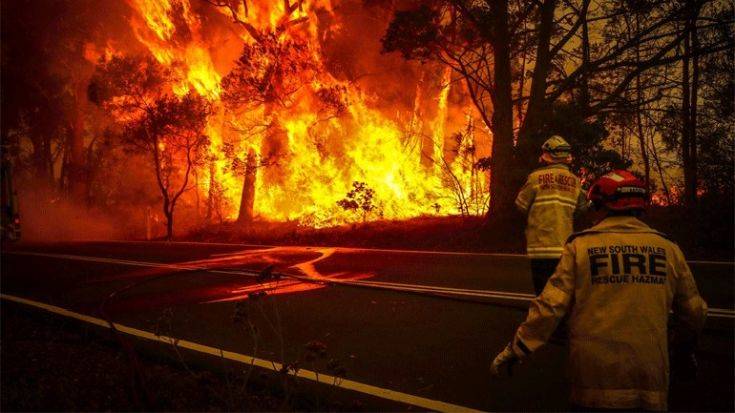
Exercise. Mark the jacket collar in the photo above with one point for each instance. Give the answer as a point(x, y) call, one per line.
point(622, 224)
point(558, 165)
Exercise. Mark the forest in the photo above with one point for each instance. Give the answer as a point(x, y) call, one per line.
point(158, 119)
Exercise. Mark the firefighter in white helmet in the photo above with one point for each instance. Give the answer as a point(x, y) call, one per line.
point(551, 196)
point(617, 281)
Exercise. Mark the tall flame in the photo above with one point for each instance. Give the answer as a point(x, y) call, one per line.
point(322, 157)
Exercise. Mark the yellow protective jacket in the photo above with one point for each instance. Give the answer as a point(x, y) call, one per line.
point(550, 197)
point(617, 281)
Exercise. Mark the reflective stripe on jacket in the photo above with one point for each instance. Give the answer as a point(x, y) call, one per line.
point(618, 281)
point(550, 196)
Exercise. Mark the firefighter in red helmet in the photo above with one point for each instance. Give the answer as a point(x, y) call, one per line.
point(617, 282)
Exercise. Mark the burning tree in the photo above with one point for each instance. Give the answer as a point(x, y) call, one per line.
point(311, 130)
point(155, 122)
point(304, 104)
point(267, 74)
point(271, 72)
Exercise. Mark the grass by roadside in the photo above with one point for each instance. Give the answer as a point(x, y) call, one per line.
point(53, 364)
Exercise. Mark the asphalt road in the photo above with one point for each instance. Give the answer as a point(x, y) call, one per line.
point(426, 324)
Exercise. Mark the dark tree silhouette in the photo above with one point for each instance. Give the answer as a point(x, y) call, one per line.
point(487, 42)
point(171, 132)
point(155, 122)
point(360, 199)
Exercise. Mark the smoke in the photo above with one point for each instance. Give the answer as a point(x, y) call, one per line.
point(59, 219)
point(352, 52)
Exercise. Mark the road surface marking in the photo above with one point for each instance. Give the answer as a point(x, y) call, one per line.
point(415, 288)
point(380, 392)
point(371, 284)
point(349, 249)
point(339, 249)
point(711, 263)
point(711, 312)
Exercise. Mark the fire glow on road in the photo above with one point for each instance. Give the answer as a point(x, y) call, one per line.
point(309, 278)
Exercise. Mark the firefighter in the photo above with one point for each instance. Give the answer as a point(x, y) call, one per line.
point(550, 197)
point(617, 281)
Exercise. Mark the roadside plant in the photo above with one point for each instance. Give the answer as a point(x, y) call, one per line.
point(360, 199)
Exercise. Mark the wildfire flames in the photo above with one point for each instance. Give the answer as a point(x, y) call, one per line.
point(308, 136)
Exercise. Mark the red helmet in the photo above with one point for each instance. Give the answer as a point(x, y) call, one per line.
point(619, 190)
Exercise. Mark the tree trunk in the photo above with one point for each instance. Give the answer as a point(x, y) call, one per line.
point(197, 200)
point(168, 212)
point(584, 89)
point(61, 184)
point(275, 147)
point(503, 174)
point(423, 111)
point(42, 159)
point(530, 134)
point(642, 143)
point(685, 120)
point(521, 83)
point(211, 193)
point(692, 176)
point(247, 200)
point(76, 174)
point(639, 117)
point(170, 225)
point(661, 175)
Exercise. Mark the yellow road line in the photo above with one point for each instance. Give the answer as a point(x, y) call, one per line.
point(380, 392)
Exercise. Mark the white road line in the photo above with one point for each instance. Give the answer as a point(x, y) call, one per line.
point(340, 249)
point(368, 389)
point(374, 284)
point(459, 291)
point(711, 312)
point(416, 288)
point(149, 264)
point(348, 249)
point(732, 264)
